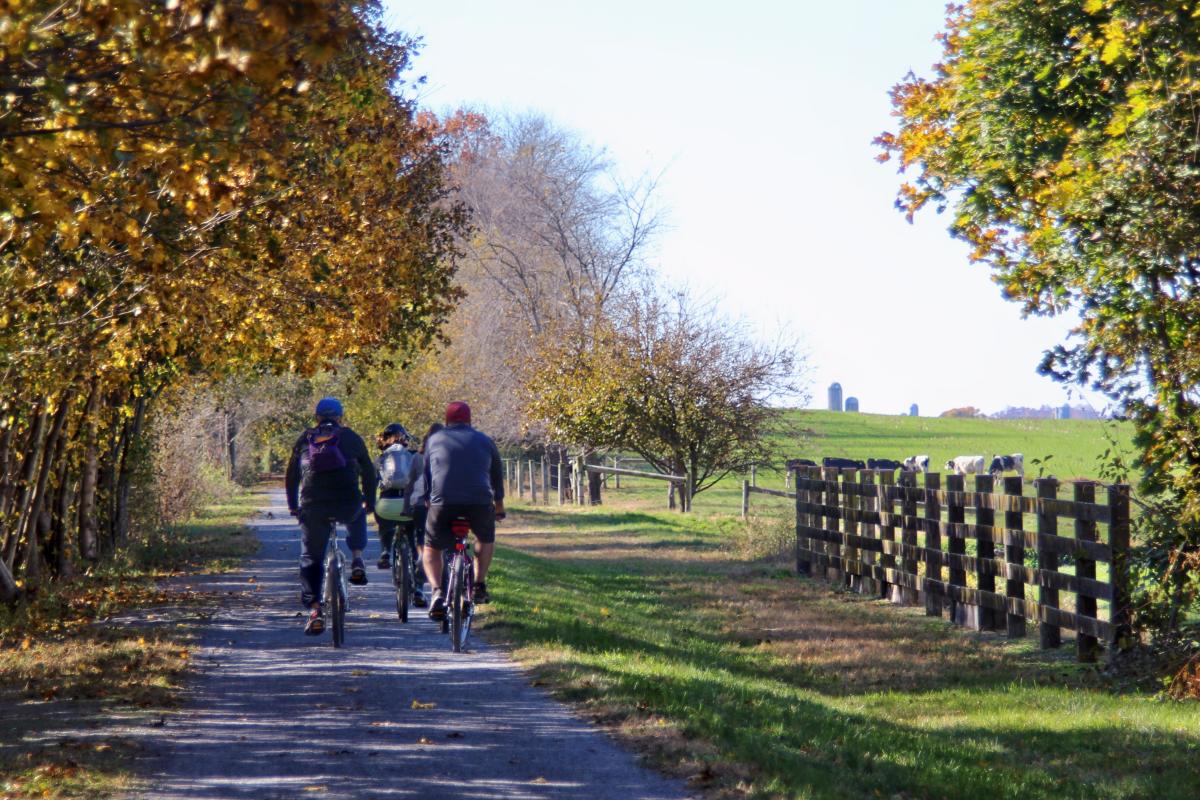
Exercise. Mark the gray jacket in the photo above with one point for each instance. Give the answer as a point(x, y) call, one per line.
point(463, 467)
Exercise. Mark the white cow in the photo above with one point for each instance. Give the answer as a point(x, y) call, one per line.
point(965, 465)
point(916, 464)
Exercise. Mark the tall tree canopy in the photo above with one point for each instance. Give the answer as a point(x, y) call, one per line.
point(189, 187)
point(1063, 136)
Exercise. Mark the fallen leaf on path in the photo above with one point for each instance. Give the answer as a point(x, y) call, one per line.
point(539, 779)
point(424, 740)
point(316, 789)
point(419, 706)
point(374, 616)
point(358, 673)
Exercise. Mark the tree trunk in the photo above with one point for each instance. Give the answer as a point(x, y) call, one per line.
point(121, 529)
point(34, 522)
point(87, 483)
point(7, 485)
point(593, 480)
point(62, 559)
point(33, 451)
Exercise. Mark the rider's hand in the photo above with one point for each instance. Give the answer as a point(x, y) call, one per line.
point(500, 512)
point(295, 512)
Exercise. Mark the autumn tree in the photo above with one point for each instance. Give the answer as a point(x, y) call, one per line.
point(1061, 137)
point(672, 380)
point(193, 188)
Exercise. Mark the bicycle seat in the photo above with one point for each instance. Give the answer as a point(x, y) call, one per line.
point(460, 528)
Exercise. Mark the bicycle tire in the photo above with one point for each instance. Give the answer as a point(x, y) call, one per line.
point(404, 586)
point(459, 622)
point(337, 603)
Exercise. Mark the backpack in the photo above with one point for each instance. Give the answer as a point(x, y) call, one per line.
point(394, 467)
point(324, 454)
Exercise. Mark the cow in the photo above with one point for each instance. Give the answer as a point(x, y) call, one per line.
point(843, 463)
point(884, 464)
point(793, 463)
point(1012, 463)
point(916, 464)
point(965, 465)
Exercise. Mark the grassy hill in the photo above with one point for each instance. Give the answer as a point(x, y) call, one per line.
point(1072, 445)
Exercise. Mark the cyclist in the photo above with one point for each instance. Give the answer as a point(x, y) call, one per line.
point(400, 471)
point(330, 479)
point(464, 478)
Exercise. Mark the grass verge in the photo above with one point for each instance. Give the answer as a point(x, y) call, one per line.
point(747, 681)
point(67, 670)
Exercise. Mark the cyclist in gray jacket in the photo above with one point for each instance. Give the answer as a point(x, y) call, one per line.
point(464, 477)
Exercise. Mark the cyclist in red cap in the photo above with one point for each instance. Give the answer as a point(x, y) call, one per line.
point(464, 477)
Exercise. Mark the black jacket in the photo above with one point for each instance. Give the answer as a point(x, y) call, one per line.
point(338, 491)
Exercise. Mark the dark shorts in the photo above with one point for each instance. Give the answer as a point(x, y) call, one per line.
point(437, 525)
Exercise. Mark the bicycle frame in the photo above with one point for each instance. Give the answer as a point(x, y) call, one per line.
point(460, 562)
point(334, 552)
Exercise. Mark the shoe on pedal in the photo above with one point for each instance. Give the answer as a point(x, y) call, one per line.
point(480, 595)
point(437, 608)
point(384, 562)
point(418, 599)
point(315, 625)
point(358, 572)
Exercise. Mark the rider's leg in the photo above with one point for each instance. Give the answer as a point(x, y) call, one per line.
point(483, 559)
point(356, 534)
point(432, 561)
point(314, 537)
point(387, 534)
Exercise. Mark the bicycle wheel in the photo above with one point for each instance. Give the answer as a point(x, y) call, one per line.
point(459, 613)
point(401, 579)
point(447, 587)
point(337, 602)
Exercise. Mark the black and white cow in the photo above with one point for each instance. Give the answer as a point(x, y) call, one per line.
point(916, 464)
point(1011, 463)
point(843, 463)
point(883, 463)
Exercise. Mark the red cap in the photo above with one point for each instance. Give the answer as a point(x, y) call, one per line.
point(458, 412)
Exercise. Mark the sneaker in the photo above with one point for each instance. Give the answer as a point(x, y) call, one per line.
point(481, 595)
point(437, 609)
point(316, 624)
point(418, 599)
point(384, 561)
point(358, 572)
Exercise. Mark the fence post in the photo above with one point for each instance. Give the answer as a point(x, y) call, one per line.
point(520, 482)
point(532, 484)
point(1086, 647)
point(754, 475)
point(1047, 524)
point(850, 554)
point(617, 465)
point(868, 558)
point(545, 482)
point(887, 533)
point(562, 488)
point(1014, 556)
point(989, 618)
point(956, 545)
point(745, 499)
point(933, 545)
point(1121, 613)
point(508, 474)
point(832, 503)
point(688, 489)
point(803, 521)
point(908, 535)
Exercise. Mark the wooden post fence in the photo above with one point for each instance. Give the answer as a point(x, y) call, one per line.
point(845, 527)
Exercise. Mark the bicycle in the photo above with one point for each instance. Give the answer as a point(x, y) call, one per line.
point(459, 579)
point(404, 569)
point(336, 592)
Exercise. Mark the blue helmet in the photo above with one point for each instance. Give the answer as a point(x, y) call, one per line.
point(329, 407)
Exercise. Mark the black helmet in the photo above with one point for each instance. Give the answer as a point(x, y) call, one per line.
point(397, 430)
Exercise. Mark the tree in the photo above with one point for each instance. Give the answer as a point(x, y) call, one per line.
point(672, 380)
point(1062, 137)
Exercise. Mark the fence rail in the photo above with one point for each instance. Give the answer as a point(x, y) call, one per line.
point(847, 525)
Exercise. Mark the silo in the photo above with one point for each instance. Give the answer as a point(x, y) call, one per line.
point(1065, 411)
point(835, 397)
point(852, 404)
point(913, 411)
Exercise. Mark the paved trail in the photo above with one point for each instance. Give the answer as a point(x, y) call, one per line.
point(276, 714)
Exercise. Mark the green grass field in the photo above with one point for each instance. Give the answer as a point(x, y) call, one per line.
point(1068, 449)
point(679, 633)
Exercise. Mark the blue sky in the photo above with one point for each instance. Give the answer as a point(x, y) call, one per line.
point(760, 116)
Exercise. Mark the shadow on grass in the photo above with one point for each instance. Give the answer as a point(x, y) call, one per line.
point(656, 645)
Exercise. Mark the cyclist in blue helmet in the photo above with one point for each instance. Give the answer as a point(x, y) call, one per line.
point(330, 479)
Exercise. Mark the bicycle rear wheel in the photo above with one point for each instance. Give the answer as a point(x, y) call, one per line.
point(401, 579)
point(337, 602)
point(460, 613)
